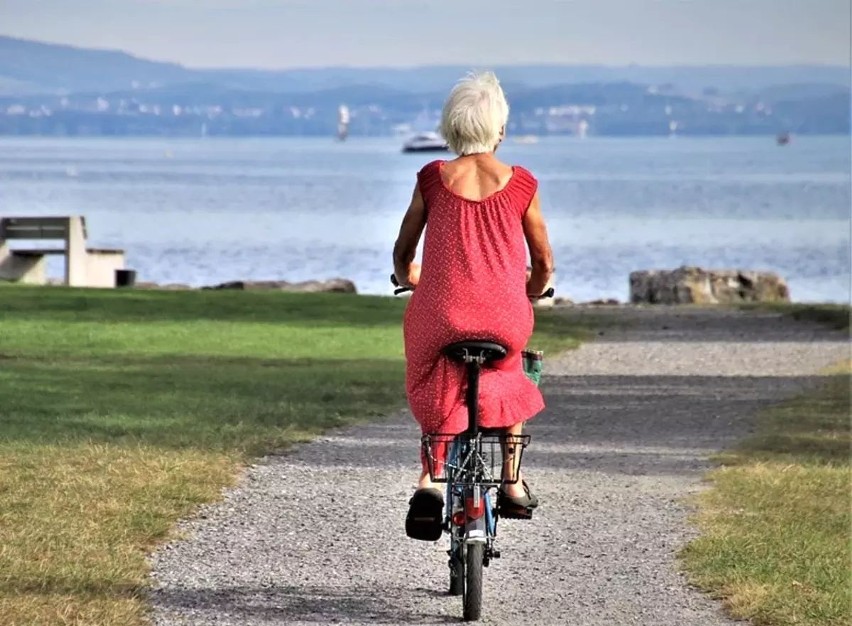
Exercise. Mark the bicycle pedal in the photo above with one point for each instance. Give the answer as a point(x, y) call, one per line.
point(495, 554)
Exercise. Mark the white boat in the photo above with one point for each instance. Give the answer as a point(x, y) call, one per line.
point(342, 122)
point(425, 142)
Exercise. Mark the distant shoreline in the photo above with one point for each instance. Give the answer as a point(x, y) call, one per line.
point(145, 286)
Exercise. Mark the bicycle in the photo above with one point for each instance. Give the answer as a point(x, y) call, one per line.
point(467, 464)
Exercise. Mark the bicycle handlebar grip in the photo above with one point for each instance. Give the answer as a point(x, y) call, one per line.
point(398, 289)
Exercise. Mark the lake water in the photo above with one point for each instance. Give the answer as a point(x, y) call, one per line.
point(212, 210)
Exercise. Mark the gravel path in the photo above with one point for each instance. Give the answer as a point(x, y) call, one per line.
point(316, 536)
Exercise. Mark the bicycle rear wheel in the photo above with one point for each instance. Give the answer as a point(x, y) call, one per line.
point(473, 581)
point(456, 574)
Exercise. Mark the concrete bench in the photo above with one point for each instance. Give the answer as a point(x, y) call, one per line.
point(84, 267)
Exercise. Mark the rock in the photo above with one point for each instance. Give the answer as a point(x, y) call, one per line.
point(563, 302)
point(334, 285)
point(694, 285)
point(542, 303)
point(604, 302)
point(166, 287)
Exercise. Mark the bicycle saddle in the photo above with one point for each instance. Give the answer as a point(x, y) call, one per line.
point(489, 350)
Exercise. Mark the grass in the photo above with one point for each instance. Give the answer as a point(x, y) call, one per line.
point(123, 411)
point(775, 541)
point(836, 316)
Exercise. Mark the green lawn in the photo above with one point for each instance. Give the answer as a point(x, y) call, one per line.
point(122, 411)
point(775, 541)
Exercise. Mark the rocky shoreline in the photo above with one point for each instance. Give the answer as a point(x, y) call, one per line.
point(332, 285)
point(695, 285)
point(683, 285)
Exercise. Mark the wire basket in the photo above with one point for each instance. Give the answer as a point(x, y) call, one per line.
point(496, 457)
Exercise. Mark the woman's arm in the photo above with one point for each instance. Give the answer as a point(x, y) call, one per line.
point(541, 255)
point(406, 271)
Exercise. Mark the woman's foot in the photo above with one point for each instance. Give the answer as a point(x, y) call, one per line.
point(425, 515)
point(514, 490)
point(517, 503)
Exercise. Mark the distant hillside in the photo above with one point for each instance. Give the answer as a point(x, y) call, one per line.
point(34, 67)
point(55, 90)
point(806, 91)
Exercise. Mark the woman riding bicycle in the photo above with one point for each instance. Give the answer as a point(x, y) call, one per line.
point(483, 216)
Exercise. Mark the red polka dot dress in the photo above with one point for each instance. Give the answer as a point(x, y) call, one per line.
point(472, 286)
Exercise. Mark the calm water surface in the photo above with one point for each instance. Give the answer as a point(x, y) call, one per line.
point(212, 210)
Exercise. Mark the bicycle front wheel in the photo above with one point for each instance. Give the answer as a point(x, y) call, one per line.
point(473, 581)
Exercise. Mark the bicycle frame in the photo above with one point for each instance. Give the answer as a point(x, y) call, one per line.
point(470, 516)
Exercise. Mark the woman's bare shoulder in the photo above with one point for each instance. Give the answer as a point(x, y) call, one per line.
point(520, 169)
point(431, 166)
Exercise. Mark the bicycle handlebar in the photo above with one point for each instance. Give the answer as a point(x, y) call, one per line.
point(399, 289)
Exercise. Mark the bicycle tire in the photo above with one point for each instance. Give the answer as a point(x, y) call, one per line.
point(473, 581)
point(456, 575)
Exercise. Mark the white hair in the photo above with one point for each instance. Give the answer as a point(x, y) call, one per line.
point(474, 114)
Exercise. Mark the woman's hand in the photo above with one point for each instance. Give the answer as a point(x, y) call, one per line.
point(412, 278)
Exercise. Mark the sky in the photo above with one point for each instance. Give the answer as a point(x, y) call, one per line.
point(279, 34)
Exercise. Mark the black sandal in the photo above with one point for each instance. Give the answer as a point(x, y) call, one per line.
point(425, 515)
point(516, 507)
